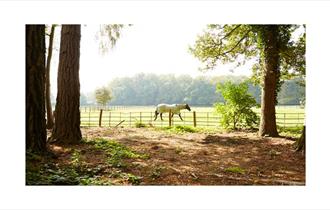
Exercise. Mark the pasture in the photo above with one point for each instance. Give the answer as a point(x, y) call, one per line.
point(132, 116)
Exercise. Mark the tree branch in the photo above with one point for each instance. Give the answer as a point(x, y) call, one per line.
point(230, 32)
point(228, 51)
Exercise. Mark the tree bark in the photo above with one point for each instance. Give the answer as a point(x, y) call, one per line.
point(301, 143)
point(270, 39)
point(67, 113)
point(35, 89)
point(50, 118)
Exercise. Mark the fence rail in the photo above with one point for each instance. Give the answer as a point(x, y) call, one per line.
point(108, 118)
point(104, 108)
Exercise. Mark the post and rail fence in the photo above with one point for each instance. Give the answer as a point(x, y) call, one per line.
point(196, 119)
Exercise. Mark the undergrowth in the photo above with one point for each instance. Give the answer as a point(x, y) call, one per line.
point(115, 152)
point(76, 171)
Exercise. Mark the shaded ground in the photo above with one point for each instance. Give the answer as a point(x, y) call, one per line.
point(146, 156)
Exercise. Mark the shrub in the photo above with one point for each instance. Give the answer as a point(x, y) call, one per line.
point(237, 111)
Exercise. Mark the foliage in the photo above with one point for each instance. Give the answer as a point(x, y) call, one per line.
point(75, 158)
point(43, 171)
point(135, 180)
point(151, 89)
point(237, 110)
point(157, 172)
point(241, 43)
point(102, 96)
point(108, 36)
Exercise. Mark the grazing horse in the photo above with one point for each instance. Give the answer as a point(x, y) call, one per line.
point(174, 108)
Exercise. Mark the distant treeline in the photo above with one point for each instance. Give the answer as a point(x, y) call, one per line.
point(151, 89)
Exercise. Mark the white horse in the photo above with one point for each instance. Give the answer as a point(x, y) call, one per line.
point(174, 108)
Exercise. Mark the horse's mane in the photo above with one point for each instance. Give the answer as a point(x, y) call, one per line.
point(181, 106)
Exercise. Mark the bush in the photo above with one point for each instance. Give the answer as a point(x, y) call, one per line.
point(237, 111)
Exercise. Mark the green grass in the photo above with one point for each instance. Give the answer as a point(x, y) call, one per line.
point(181, 129)
point(290, 131)
point(236, 170)
point(116, 152)
point(205, 116)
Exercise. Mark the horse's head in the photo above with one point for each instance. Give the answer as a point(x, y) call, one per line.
point(188, 107)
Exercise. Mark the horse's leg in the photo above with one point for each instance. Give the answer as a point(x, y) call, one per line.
point(156, 114)
point(161, 116)
point(180, 116)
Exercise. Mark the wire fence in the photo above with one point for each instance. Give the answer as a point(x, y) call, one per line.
point(98, 108)
point(108, 118)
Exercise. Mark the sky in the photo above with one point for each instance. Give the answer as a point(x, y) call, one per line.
point(150, 48)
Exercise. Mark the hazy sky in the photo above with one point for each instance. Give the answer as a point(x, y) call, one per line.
point(156, 48)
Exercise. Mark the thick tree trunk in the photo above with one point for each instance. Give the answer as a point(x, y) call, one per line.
point(50, 118)
point(270, 37)
point(67, 114)
point(301, 143)
point(35, 89)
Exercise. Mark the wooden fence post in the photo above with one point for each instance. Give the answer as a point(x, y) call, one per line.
point(194, 116)
point(100, 119)
point(169, 119)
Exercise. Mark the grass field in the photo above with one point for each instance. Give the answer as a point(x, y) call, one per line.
point(205, 117)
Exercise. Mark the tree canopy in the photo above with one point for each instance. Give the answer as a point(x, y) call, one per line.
point(151, 89)
point(102, 96)
point(221, 44)
point(273, 48)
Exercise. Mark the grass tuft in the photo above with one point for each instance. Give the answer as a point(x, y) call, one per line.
point(235, 169)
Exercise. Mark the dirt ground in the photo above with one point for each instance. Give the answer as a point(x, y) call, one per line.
point(236, 158)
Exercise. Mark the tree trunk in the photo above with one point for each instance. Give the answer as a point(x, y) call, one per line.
point(67, 114)
point(35, 89)
point(270, 38)
point(301, 142)
point(50, 118)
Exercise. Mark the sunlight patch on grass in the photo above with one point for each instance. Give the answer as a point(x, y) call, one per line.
point(116, 152)
point(181, 129)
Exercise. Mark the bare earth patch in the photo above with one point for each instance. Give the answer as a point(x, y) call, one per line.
point(236, 158)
